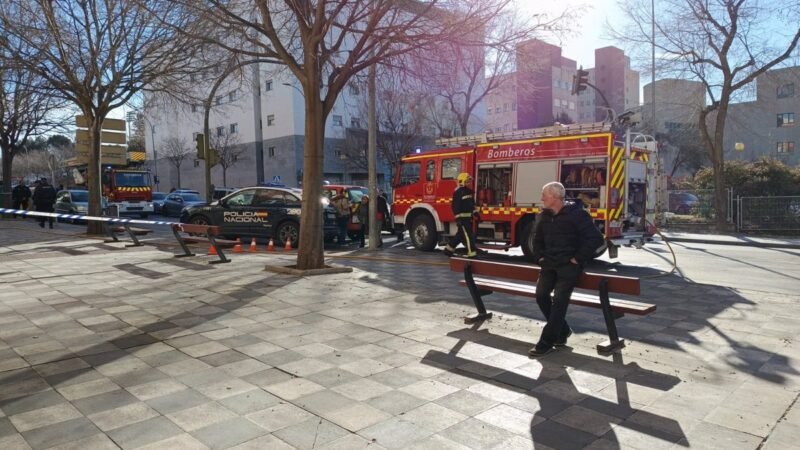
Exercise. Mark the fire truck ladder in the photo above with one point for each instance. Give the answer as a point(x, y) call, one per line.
point(532, 133)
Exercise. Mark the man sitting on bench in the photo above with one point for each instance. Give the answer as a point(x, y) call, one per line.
point(565, 240)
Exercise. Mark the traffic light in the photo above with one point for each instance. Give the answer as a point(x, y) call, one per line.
point(213, 157)
point(579, 81)
point(200, 144)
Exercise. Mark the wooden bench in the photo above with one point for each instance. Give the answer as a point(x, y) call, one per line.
point(112, 229)
point(484, 277)
point(201, 234)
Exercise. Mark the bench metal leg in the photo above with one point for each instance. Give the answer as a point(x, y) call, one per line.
point(136, 242)
point(613, 343)
point(476, 297)
point(110, 233)
point(186, 251)
point(222, 258)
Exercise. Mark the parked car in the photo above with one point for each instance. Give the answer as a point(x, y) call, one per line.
point(261, 212)
point(221, 192)
point(176, 201)
point(72, 201)
point(158, 201)
point(683, 202)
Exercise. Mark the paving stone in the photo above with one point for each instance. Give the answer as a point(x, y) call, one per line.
point(143, 433)
point(204, 377)
point(201, 416)
point(125, 415)
point(88, 389)
point(38, 418)
point(186, 398)
point(356, 416)
point(243, 367)
point(476, 434)
point(362, 389)
point(264, 442)
point(366, 367)
point(396, 402)
point(428, 389)
point(15, 441)
point(94, 442)
point(204, 349)
point(60, 433)
point(224, 389)
point(332, 377)
point(709, 435)
point(250, 401)
point(395, 433)
point(184, 367)
point(182, 441)
point(436, 442)
point(466, 402)
point(294, 388)
point(311, 433)
point(433, 417)
point(104, 402)
point(30, 402)
point(279, 416)
point(322, 402)
point(267, 377)
point(156, 389)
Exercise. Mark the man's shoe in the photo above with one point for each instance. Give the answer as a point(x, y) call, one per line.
point(563, 342)
point(448, 253)
point(539, 351)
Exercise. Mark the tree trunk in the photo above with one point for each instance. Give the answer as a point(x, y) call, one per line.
point(178, 169)
point(718, 163)
point(8, 158)
point(94, 181)
point(224, 176)
point(310, 254)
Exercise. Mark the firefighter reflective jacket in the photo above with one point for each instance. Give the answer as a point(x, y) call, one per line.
point(463, 203)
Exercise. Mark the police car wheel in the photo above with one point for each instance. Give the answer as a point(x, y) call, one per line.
point(199, 220)
point(288, 230)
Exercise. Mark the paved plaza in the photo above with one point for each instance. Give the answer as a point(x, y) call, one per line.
point(103, 347)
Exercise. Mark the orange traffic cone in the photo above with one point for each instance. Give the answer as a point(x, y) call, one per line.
point(271, 245)
point(212, 251)
point(238, 247)
point(288, 246)
point(253, 248)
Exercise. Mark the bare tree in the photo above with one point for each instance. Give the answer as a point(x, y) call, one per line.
point(229, 152)
point(476, 66)
point(27, 109)
point(176, 151)
point(724, 44)
point(324, 43)
point(96, 54)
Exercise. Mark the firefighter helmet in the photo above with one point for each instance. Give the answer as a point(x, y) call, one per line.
point(463, 178)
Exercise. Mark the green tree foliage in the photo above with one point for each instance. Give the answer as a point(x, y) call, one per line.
point(764, 177)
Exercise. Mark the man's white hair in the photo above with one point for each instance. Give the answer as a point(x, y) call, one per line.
point(555, 189)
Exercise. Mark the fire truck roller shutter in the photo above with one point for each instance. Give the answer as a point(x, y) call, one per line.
point(530, 178)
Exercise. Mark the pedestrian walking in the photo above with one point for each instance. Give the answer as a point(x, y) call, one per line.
point(44, 197)
point(20, 196)
point(383, 211)
point(341, 203)
point(565, 240)
point(464, 210)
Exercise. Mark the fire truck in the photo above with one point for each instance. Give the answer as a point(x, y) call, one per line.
point(614, 179)
point(129, 190)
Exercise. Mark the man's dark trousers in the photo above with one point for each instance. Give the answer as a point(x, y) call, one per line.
point(560, 280)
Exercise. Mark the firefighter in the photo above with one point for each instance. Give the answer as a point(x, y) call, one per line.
point(464, 211)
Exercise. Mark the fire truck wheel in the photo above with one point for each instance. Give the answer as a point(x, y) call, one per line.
point(528, 234)
point(423, 233)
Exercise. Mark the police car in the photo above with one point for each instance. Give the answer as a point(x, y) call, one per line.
point(268, 212)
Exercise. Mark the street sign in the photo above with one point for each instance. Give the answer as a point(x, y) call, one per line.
point(108, 124)
point(276, 179)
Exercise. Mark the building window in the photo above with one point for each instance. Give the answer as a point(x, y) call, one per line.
point(505, 107)
point(786, 120)
point(268, 85)
point(337, 121)
point(235, 157)
point(785, 147)
point(197, 163)
point(513, 106)
point(497, 109)
point(489, 111)
point(354, 90)
point(232, 96)
point(218, 101)
point(785, 90)
point(355, 122)
point(571, 105)
point(338, 153)
point(194, 108)
point(271, 120)
point(234, 128)
point(271, 152)
point(220, 131)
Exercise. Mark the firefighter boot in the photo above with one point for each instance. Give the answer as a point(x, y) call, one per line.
point(449, 251)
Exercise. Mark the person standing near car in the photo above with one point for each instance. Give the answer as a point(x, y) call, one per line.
point(565, 240)
point(362, 213)
point(20, 196)
point(463, 209)
point(44, 198)
point(341, 203)
point(383, 210)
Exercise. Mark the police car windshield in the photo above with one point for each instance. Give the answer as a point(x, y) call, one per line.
point(191, 198)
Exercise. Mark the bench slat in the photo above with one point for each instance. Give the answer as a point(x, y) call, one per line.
point(578, 298)
point(616, 283)
point(198, 229)
point(201, 240)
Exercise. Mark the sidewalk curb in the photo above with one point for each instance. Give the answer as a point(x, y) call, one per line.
point(734, 243)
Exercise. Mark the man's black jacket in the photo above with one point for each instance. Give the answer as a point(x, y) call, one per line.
point(20, 193)
point(44, 196)
point(463, 203)
point(569, 234)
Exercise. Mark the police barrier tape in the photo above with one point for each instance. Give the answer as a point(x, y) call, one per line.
point(26, 213)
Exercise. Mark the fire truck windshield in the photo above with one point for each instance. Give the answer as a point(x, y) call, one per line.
point(131, 179)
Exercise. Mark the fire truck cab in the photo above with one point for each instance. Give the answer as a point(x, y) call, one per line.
point(129, 190)
point(613, 180)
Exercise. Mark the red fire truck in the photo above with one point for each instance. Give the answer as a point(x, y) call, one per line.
point(614, 181)
point(129, 190)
